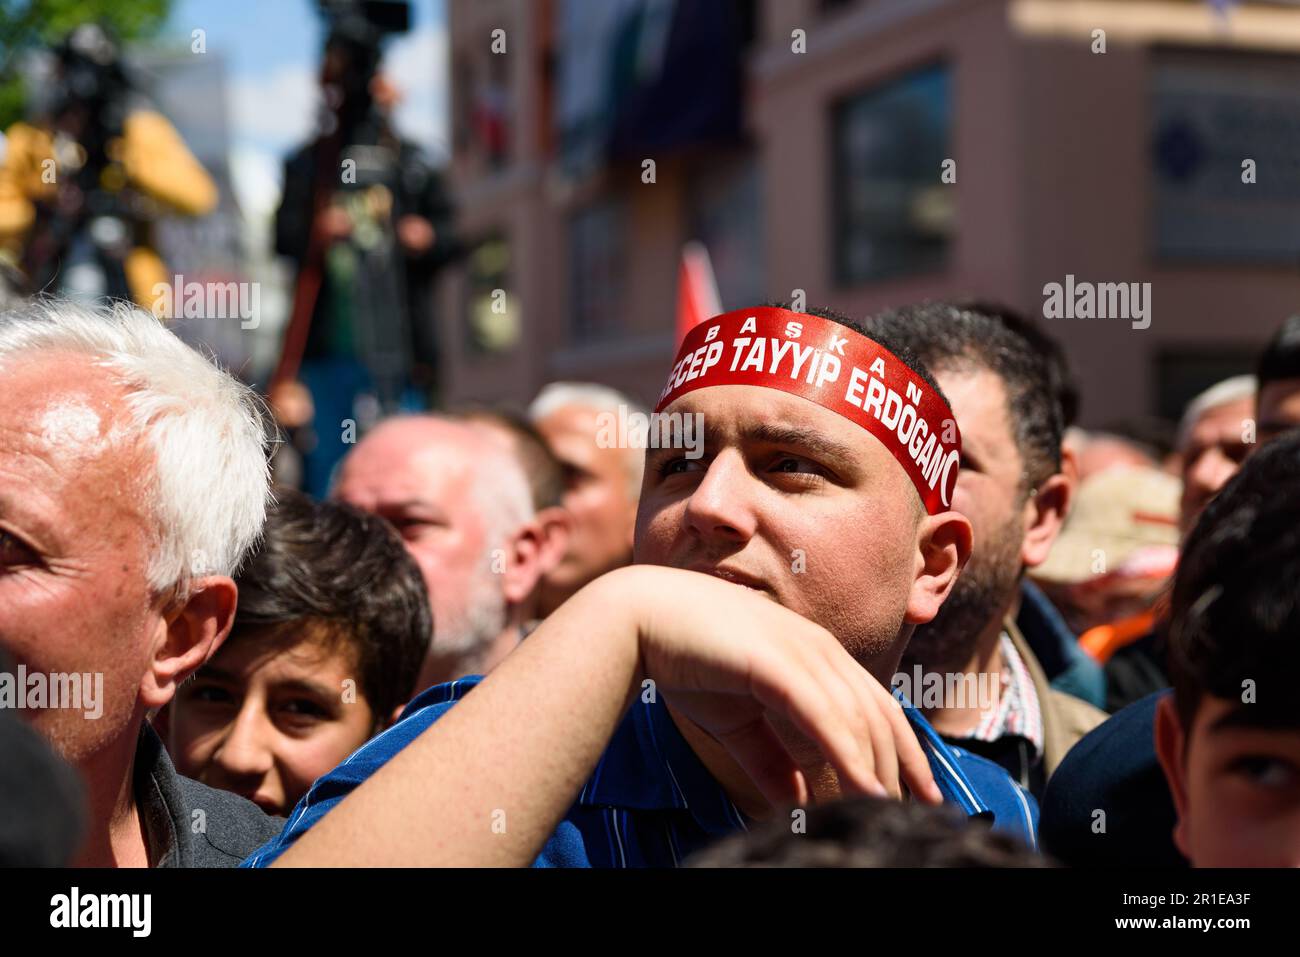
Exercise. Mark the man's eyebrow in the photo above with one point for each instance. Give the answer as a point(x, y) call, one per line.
point(812, 440)
point(1254, 718)
point(304, 685)
point(408, 505)
point(33, 523)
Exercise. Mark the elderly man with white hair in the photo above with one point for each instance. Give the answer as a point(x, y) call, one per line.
point(602, 484)
point(1215, 435)
point(133, 480)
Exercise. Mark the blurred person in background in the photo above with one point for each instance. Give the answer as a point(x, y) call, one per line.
point(366, 220)
point(1278, 373)
point(1114, 556)
point(1214, 438)
point(83, 185)
point(545, 478)
point(331, 632)
point(460, 501)
point(1097, 451)
point(1016, 495)
point(133, 481)
point(601, 484)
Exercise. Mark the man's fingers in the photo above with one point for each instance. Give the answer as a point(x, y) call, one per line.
point(914, 766)
point(759, 751)
point(785, 686)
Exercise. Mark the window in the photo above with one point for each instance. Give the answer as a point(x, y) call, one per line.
point(1212, 112)
point(596, 269)
point(892, 213)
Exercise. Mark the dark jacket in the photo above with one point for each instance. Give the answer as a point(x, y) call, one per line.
point(188, 824)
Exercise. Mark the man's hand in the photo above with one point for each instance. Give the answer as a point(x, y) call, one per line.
point(731, 660)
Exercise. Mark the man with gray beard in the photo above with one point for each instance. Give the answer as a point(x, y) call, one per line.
point(463, 507)
point(990, 694)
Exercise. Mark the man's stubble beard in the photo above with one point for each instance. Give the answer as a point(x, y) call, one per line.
point(477, 621)
point(983, 589)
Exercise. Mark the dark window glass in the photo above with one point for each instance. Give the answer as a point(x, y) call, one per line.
point(892, 212)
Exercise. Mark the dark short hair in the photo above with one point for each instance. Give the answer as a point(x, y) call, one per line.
point(347, 572)
point(1062, 378)
point(1235, 609)
point(947, 335)
point(871, 832)
point(545, 472)
point(1281, 357)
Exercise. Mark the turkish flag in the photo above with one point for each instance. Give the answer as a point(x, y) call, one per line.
point(697, 290)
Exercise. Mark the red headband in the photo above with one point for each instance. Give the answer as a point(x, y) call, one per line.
point(839, 369)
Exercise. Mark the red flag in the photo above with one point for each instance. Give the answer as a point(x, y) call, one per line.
point(697, 290)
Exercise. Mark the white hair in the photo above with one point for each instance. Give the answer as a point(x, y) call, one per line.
point(207, 431)
point(1221, 393)
point(599, 398)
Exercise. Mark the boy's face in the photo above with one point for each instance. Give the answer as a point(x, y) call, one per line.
point(1235, 780)
point(266, 718)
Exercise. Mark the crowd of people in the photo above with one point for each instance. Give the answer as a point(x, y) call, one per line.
point(897, 610)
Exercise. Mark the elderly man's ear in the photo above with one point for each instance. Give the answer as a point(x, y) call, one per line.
point(556, 526)
point(188, 635)
point(523, 561)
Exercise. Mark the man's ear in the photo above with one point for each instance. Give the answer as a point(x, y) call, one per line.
point(1171, 752)
point(523, 565)
point(189, 634)
point(556, 526)
point(943, 548)
point(1045, 513)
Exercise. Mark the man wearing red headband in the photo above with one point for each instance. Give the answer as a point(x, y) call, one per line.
point(824, 488)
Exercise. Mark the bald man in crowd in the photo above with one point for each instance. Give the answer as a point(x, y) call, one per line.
point(601, 484)
point(133, 480)
point(465, 511)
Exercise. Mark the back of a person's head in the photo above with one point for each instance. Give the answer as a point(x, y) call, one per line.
point(346, 574)
point(206, 430)
point(1281, 357)
point(946, 336)
point(1235, 611)
point(869, 832)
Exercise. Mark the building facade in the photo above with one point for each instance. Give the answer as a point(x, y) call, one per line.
point(867, 153)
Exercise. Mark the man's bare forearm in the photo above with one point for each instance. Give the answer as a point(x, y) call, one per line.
point(488, 783)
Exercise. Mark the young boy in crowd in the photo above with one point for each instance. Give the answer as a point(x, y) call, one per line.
point(332, 626)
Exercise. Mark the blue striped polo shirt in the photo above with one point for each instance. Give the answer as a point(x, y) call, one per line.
point(650, 801)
